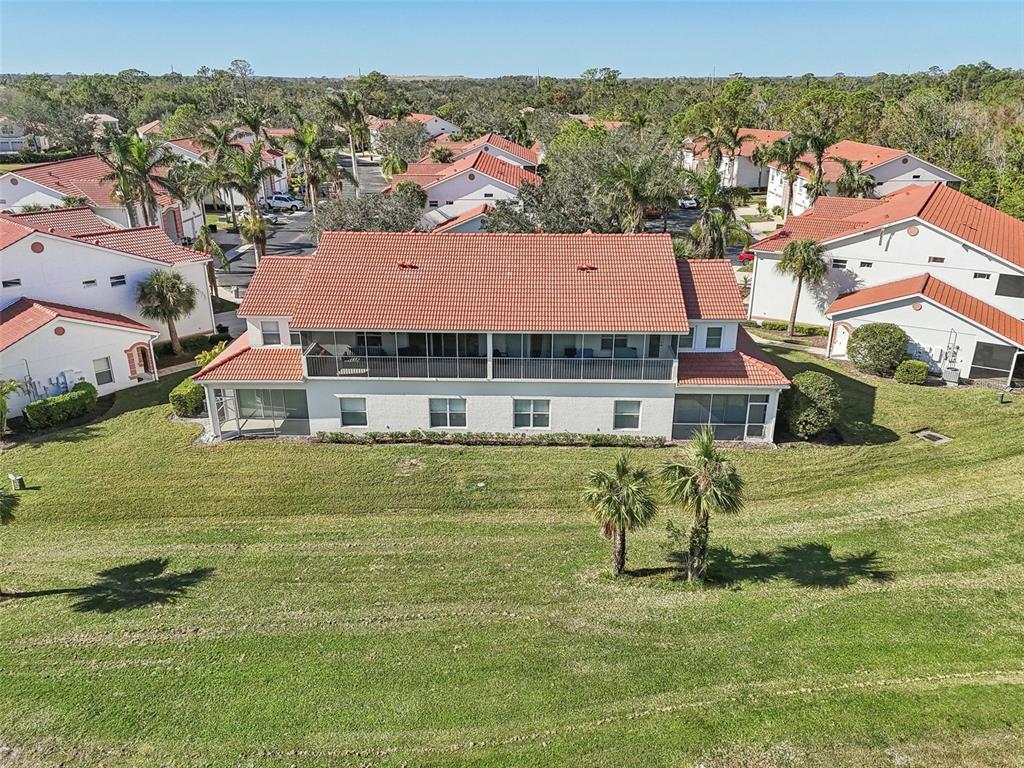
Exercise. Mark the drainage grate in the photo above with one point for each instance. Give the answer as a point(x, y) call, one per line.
point(931, 436)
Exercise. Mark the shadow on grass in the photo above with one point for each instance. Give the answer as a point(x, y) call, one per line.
point(127, 587)
point(811, 564)
point(857, 417)
point(8, 503)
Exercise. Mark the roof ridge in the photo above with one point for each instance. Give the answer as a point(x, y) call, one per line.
point(228, 354)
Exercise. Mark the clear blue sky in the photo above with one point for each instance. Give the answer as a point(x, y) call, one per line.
point(492, 37)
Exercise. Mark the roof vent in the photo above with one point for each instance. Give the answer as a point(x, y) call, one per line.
point(586, 267)
point(407, 265)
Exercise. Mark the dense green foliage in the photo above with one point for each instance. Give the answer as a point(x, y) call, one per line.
point(265, 603)
point(968, 120)
point(877, 348)
point(911, 372)
point(398, 212)
point(187, 399)
point(811, 405)
point(51, 411)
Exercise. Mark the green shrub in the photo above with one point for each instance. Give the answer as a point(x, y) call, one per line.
point(911, 372)
point(187, 399)
point(60, 408)
point(433, 437)
point(877, 348)
point(811, 405)
point(804, 330)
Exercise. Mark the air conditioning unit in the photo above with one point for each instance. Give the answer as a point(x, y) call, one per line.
point(951, 376)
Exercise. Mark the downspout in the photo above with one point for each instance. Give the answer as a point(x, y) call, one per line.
point(828, 344)
point(152, 360)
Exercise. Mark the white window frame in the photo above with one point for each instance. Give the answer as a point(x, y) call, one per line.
point(533, 413)
point(707, 336)
point(689, 337)
point(447, 412)
point(118, 280)
point(616, 415)
point(275, 332)
point(109, 370)
point(342, 401)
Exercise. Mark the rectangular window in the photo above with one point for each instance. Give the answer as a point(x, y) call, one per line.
point(353, 411)
point(488, 194)
point(271, 331)
point(982, 275)
point(295, 338)
point(627, 414)
point(714, 338)
point(116, 280)
point(867, 264)
point(1010, 285)
point(686, 340)
point(936, 259)
point(449, 202)
point(14, 283)
point(447, 412)
point(838, 263)
point(432, 204)
point(531, 413)
point(104, 373)
point(730, 417)
point(88, 283)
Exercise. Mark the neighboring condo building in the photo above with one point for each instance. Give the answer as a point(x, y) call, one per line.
point(493, 333)
point(954, 265)
point(738, 168)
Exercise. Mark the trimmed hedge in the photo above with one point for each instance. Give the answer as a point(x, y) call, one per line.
point(428, 437)
point(805, 330)
point(191, 344)
point(911, 372)
point(31, 156)
point(187, 399)
point(55, 410)
point(877, 348)
point(811, 405)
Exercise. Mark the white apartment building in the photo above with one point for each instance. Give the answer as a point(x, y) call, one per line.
point(737, 169)
point(496, 333)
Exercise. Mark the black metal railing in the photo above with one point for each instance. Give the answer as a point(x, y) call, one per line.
point(404, 367)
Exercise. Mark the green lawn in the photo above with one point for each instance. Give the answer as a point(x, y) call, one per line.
point(272, 604)
point(8, 167)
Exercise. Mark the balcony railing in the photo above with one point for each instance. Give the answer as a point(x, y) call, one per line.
point(616, 369)
point(406, 367)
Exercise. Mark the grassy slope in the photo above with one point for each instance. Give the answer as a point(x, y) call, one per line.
point(374, 605)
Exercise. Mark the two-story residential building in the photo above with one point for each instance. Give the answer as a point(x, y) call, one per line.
point(493, 332)
point(892, 169)
point(14, 137)
point(737, 169)
point(955, 263)
point(476, 179)
point(187, 149)
point(433, 126)
point(49, 184)
point(499, 146)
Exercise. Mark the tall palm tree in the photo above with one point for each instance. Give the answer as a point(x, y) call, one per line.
point(204, 243)
point(622, 500)
point(704, 481)
point(254, 117)
point(309, 146)
point(245, 175)
point(118, 159)
point(633, 186)
point(804, 261)
point(816, 145)
point(786, 155)
point(219, 142)
point(347, 106)
point(853, 182)
point(711, 235)
point(166, 296)
point(639, 121)
point(730, 140)
point(713, 198)
point(149, 161)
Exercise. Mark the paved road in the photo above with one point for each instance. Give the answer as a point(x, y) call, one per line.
point(371, 180)
point(679, 221)
point(288, 237)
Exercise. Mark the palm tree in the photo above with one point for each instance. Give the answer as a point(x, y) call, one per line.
point(245, 175)
point(816, 145)
point(309, 145)
point(218, 139)
point(441, 154)
point(254, 231)
point(348, 107)
point(803, 260)
point(204, 243)
point(121, 175)
point(730, 140)
point(717, 222)
point(711, 235)
point(633, 186)
point(638, 121)
point(621, 500)
point(393, 164)
point(853, 182)
point(786, 156)
point(254, 117)
point(166, 296)
point(703, 482)
point(73, 201)
point(7, 388)
point(149, 160)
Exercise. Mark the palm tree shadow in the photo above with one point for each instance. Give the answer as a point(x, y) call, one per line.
point(811, 564)
point(128, 587)
point(8, 503)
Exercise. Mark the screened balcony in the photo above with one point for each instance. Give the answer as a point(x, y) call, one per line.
point(390, 355)
point(578, 356)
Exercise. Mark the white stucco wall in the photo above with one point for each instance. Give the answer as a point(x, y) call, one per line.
point(508, 157)
point(57, 275)
point(44, 355)
point(893, 256)
point(465, 193)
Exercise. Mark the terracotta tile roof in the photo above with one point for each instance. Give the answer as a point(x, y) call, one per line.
point(68, 221)
point(489, 282)
point(748, 365)
point(241, 362)
point(937, 204)
point(275, 287)
point(710, 290)
point(153, 126)
point(25, 316)
point(482, 162)
point(462, 218)
point(500, 142)
point(761, 137)
point(11, 230)
point(939, 292)
point(188, 144)
point(149, 242)
point(869, 155)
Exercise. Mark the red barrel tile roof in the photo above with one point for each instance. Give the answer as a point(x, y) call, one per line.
point(149, 242)
point(710, 290)
point(747, 366)
point(242, 362)
point(500, 142)
point(68, 221)
point(462, 218)
point(25, 316)
point(276, 287)
point(760, 137)
point(482, 162)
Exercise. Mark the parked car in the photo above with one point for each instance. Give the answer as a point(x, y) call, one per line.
point(688, 202)
point(268, 216)
point(745, 257)
point(282, 202)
